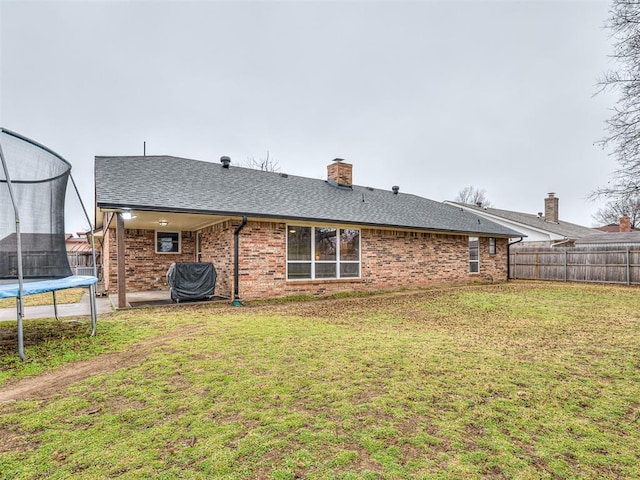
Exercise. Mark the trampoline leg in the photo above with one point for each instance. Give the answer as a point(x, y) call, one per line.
point(92, 302)
point(55, 306)
point(20, 335)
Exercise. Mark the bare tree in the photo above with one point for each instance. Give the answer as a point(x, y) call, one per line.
point(473, 196)
point(612, 211)
point(623, 128)
point(265, 164)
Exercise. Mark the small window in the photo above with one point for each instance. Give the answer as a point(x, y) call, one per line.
point(167, 242)
point(492, 246)
point(474, 255)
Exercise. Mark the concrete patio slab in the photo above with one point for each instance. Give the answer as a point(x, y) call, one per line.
point(80, 309)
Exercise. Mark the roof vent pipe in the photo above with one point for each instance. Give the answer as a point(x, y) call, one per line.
point(395, 189)
point(225, 161)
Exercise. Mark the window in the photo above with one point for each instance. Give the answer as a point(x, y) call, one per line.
point(322, 252)
point(492, 246)
point(198, 246)
point(167, 242)
point(474, 255)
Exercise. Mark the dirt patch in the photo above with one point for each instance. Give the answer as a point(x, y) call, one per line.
point(51, 383)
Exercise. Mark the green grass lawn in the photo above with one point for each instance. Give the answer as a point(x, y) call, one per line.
point(521, 380)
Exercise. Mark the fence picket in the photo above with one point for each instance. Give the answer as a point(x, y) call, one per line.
point(577, 264)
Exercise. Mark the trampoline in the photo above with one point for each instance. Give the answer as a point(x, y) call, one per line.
point(33, 256)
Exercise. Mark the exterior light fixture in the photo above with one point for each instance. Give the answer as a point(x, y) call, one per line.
point(163, 223)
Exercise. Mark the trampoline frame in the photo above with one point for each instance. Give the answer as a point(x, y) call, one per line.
point(52, 285)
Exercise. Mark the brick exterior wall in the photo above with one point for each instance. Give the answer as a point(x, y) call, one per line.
point(145, 269)
point(217, 248)
point(389, 260)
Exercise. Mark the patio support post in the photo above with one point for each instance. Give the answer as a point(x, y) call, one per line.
point(122, 288)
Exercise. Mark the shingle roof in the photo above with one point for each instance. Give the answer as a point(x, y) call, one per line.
point(172, 184)
point(566, 229)
point(627, 238)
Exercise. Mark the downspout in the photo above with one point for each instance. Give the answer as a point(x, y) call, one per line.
point(509, 257)
point(236, 263)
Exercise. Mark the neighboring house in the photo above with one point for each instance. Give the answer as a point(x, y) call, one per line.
point(616, 239)
point(544, 229)
point(42, 255)
point(624, 225)
point(79, 252)
point(284, 234)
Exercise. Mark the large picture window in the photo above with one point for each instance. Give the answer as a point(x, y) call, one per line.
point(322, 253)
point(474, 255)
point(167, 242)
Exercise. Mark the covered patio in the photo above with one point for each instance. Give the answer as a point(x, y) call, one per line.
point(136, 262)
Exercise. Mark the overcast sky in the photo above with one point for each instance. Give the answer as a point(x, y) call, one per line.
point(430, 96)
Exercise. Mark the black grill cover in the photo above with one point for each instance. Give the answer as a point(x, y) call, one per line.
point(191, 281)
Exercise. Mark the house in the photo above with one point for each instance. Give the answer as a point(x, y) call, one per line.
point(42, 256)
point(615, 240)
point(624, 225)
point(270, 234)
point(80, 252)
point(544, 229)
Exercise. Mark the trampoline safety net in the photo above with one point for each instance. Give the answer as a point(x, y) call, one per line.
point(39, 180)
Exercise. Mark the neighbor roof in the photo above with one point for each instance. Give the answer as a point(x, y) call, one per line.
point(565, 229)
point(173, 184)
point(616, 238)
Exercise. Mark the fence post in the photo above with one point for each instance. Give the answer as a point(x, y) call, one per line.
point(628, 267)
point(565, 265)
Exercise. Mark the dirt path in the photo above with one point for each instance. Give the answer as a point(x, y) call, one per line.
point(48, 384)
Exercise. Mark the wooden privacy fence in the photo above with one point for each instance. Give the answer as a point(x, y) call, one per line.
point(591, 264)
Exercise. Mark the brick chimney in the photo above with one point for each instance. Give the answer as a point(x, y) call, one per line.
point(625, 223)
point(340, 172)
point(551, 208)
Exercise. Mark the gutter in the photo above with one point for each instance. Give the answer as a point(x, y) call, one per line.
point(236, 263)
point(562, 241)
point(509, 257)
point(279, 217)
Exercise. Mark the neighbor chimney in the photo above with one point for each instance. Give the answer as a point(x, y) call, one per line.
point(625, 223)
point(225, 161)
point(340, 172)
point(551, 208)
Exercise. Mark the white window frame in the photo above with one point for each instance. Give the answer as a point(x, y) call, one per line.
point(313, 261)
point(172, 232)
point(476, 262)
